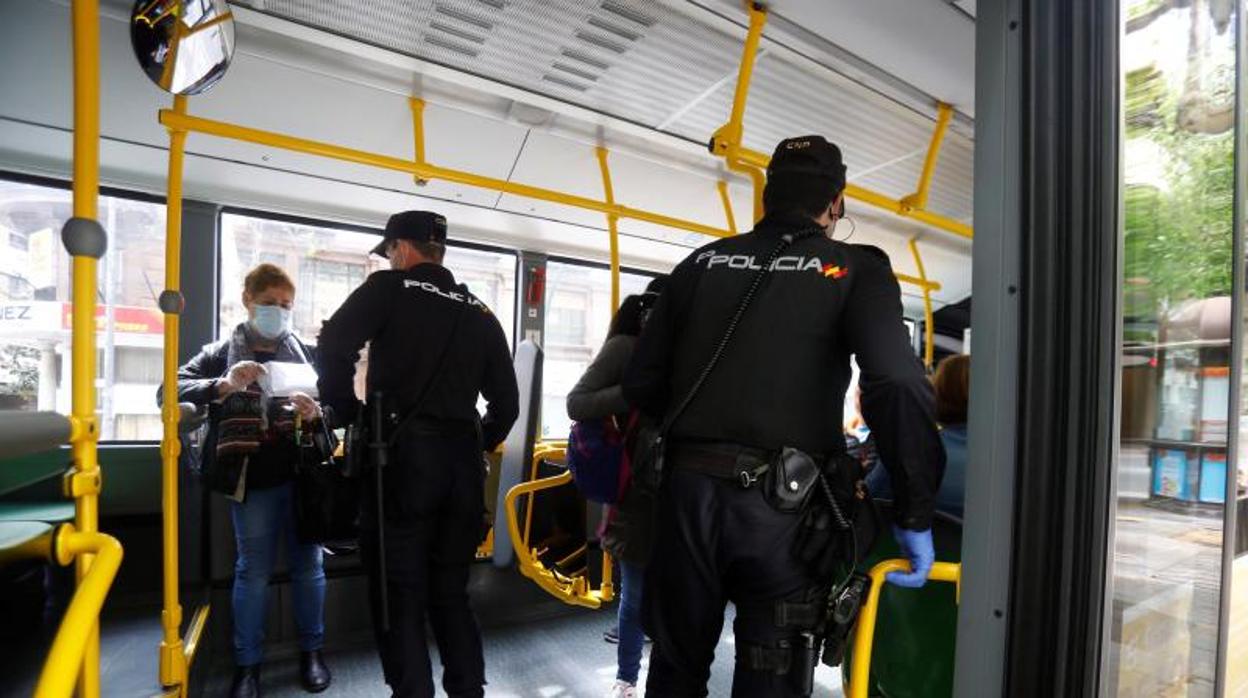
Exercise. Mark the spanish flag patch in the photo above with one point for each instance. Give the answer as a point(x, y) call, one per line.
point(834, 272)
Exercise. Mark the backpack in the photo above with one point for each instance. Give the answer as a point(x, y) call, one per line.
point(597, 457)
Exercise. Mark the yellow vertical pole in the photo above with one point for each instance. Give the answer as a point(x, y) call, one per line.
point(607, 590)
point(172, 658)
point(418, 135)
point(727, 140)
point(929, 324)
point(83, 482)
point(736, 120)
point(613, 227)
point(722, 186)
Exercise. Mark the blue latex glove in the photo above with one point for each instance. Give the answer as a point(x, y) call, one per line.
point(916, 546)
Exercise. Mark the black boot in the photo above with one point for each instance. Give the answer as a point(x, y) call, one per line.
point(246, 682)
point(313, 672)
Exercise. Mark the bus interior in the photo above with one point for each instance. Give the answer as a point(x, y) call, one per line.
point(1072, 164)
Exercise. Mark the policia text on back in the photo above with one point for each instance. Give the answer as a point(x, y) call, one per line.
point(433, 349)
point(758, 503)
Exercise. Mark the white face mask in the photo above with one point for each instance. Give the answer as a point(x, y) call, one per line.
point(270, 321)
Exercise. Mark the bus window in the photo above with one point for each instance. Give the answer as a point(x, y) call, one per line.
point(1178, 181)
point(578, 312)
point(327, 263)
point(35, 292)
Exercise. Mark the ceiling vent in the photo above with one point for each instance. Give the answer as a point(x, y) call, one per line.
point(583, 74)
point(582, 57)
point(601, 42)
point(441, 42)
point(456, 32)
point(628, 13)
point(565, 83)
point(626, 34)
point(464, 17)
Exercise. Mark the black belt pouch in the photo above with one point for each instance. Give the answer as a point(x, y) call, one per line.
point(790, 480)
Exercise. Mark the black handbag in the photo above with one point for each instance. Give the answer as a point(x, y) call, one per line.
point(327, 501)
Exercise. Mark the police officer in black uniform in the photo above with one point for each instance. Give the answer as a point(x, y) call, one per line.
point(780, 382)
point(434, 348)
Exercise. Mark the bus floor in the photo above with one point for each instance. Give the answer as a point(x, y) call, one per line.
point(555, 657)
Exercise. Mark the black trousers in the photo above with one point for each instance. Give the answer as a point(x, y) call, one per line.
point(433, 507)
point(718, 542)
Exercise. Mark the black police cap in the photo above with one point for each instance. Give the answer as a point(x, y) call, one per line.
point(808, 155)
point(418, 226)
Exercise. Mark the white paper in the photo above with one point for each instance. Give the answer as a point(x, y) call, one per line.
point(281, 379)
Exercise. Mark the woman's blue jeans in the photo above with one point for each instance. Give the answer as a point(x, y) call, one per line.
point(632, 637)
point(264, 518)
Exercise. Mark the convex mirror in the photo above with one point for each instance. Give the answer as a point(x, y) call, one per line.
point(184, 46)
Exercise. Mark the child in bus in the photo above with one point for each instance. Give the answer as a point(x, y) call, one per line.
point(598, 395)
point(250, 457)
point(952, 384)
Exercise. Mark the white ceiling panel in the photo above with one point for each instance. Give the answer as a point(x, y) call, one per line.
point(615, 56)
point(652, 187)
point(927, 43)
point(648, 61)
point(557, 163)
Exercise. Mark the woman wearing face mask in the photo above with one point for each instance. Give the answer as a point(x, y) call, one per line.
point(250, 454)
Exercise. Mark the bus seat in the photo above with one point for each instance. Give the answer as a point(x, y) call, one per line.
point(49, 512)
point(15, 534)
point(915, 629)
point(513, 467)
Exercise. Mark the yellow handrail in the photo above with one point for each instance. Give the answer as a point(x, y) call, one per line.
point(722, 186)
point(864, 633)
point(726, 142)
point(173, 663)
point(929, 317)
point(67, 660)
point(918, 200)
point(542, 450)
point(571, 590)
point(220, 129)
point(754, 158)
point(613, 227)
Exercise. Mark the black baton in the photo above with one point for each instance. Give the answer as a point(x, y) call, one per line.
point(381, 455)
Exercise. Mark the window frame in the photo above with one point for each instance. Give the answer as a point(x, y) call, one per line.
point(574, 262)
point(104, 190)
point(517, 254)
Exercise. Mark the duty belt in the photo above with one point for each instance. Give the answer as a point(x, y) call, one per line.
point(727, 461)
point(421, 425)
